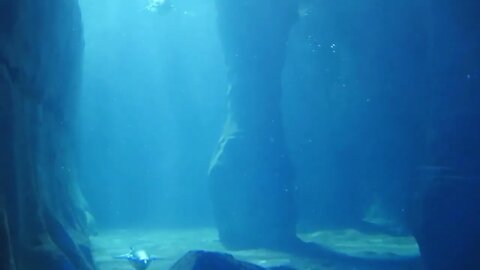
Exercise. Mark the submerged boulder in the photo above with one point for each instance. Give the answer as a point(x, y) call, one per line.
point(446, 223)
point(201, 260)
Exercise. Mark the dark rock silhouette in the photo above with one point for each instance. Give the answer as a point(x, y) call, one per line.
point(43, 217)
point(251, 173)
point(199, 260)
point(446, 221)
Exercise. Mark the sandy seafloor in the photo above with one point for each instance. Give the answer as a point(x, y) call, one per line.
point(170, 245)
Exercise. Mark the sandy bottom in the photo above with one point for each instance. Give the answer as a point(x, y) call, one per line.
point(170, 245)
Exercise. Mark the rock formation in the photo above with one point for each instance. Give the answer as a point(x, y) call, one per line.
point(445, 221)
point(42, 212)
point(446, 208)
point(251, 174)
point(199, 260)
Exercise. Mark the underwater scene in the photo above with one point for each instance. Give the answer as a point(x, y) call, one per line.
point(239, 135)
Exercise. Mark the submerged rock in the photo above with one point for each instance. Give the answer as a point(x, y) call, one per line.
point(201, 260)
point(446, 223)
point(251, 174)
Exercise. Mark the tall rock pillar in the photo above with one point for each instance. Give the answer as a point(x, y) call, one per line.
point(251, 173)
point(43, 217)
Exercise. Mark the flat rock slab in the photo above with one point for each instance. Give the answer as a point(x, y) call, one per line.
point(355, 243)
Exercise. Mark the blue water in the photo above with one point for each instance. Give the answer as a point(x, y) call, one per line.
point(152, 110)
point(375, 95)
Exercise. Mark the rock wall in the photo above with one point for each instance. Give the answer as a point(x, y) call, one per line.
point(43, 221)
point(453, 136)
point(354, 107)
point(445, 208)
point(251, 174)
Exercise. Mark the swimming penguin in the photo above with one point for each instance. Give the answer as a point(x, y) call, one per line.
point(138, 258)
point(159, 6)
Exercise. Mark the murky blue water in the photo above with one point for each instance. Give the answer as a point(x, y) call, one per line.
point(376, 98)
